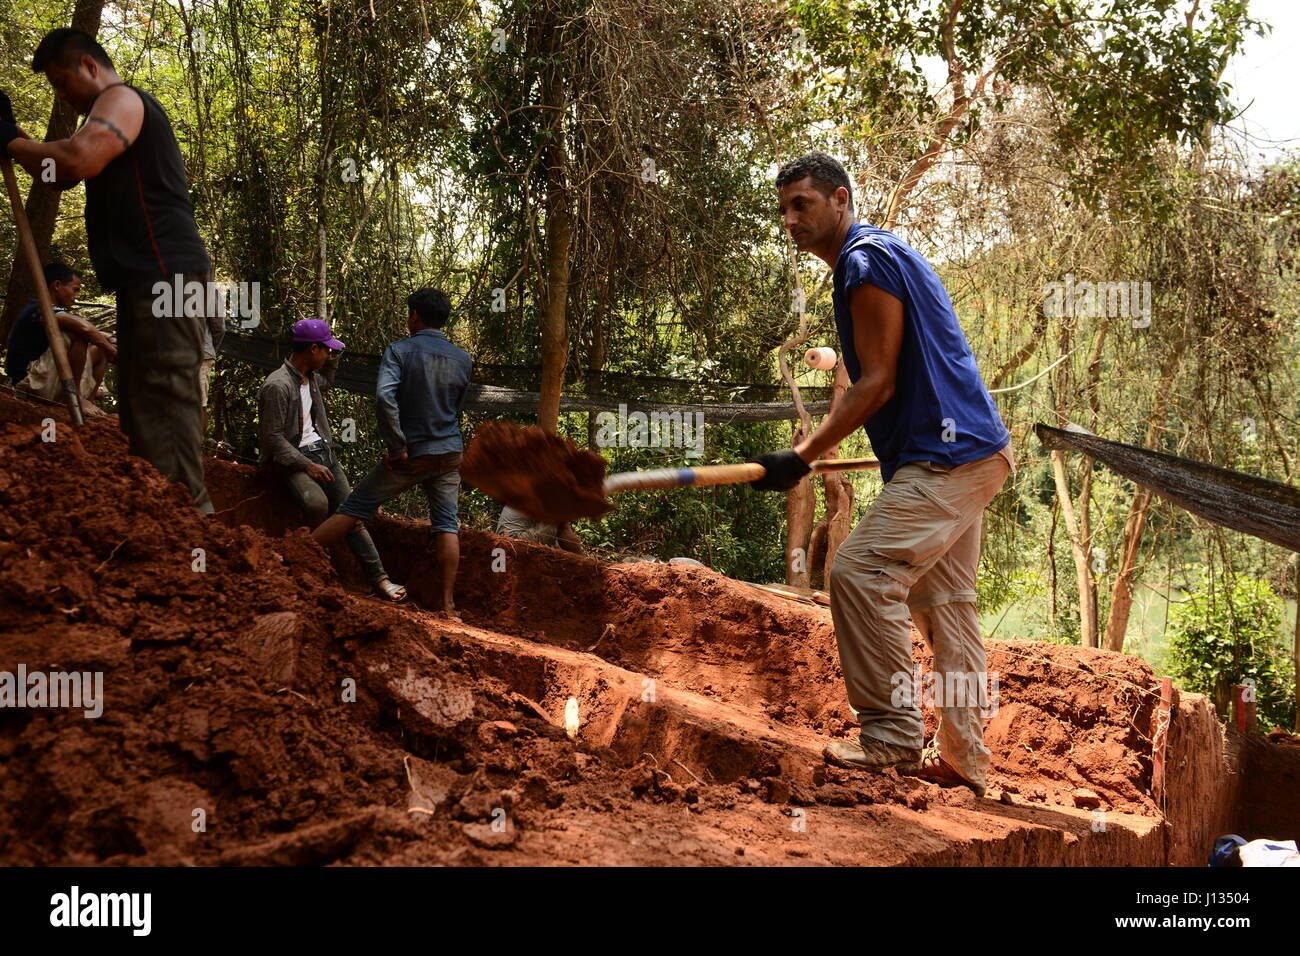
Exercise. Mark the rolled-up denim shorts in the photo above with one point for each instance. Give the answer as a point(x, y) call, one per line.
point(439, 475)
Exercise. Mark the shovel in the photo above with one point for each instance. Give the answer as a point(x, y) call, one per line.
point(551, 479)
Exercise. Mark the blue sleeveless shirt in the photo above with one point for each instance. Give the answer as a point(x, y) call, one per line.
point(940, 410)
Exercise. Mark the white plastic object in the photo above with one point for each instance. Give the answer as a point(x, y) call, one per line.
point(571, 717)
point(823, 358)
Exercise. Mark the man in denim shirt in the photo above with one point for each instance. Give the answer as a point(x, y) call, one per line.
point(422, 382)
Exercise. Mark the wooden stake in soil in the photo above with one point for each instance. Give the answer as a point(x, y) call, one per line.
point(1243, 707)
point(1160, 741)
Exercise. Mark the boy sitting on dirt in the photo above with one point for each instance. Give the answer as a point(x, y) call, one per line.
point(30, 360)
point(296, 444)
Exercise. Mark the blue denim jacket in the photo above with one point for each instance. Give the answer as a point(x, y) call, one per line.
point(422, 382)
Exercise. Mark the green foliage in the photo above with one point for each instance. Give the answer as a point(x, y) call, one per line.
point(1125, 76)
point(732, 528)
point(1231, 634)
point(438, 108)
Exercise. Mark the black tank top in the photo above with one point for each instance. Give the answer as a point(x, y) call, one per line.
point(139, 219)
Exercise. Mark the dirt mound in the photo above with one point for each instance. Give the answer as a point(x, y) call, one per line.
point(253, 709)
point(1066, 719)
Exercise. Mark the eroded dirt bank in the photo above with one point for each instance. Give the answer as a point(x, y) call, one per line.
point(258, 707)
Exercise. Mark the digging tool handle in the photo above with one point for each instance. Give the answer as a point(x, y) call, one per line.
point(42, 291)
point(718, 474)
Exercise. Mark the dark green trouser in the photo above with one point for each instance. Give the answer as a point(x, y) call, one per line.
point(318, 502)
point(158, 387)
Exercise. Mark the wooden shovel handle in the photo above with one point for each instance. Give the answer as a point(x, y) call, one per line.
point(844, 464)
point(718, 474)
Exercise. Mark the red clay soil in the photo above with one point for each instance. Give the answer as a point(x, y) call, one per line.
point(540, 474)
point(1068, 719)
point(310, 723)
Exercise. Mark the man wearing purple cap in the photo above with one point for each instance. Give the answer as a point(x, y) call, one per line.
point(295, 440)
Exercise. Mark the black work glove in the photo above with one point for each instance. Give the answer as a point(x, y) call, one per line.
point(785, 469)
point(6, 109)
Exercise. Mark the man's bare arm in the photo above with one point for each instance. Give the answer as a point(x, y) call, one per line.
point(109, 125)
point(75, 325)
point(110, 129)
point(877, 340)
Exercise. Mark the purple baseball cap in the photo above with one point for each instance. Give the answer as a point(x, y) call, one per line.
point(315, 330)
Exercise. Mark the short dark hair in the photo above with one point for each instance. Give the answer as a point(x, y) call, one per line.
point(825, 171)
point(431, 306)
point(300, 347)
point(60, 272)
point(68, 45)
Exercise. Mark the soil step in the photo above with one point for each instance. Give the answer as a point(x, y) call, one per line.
point(908, 821)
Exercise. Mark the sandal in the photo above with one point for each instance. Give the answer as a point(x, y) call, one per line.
point(937, 770)
point(390, 591)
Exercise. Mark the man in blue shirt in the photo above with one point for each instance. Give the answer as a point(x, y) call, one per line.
point(944, 453)
point(29, 361)
point(421, 388)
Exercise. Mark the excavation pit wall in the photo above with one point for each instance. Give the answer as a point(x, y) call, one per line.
point(1072, 728)
point(226, 691)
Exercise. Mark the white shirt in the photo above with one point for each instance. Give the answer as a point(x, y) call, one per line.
point(1269, 853)
point(516, 524)
point(309, 433)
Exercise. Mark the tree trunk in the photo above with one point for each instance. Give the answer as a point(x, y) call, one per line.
point(1122, 598)
point(598, 352)
point(1121, 602)
point(1079, 543)
point(559, 234)
point(42, 201)
point(800, 506)
point(1087, 606)
point(837, 522)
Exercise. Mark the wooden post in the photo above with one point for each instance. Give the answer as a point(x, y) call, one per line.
point(1243, 708)
point(1160, 741)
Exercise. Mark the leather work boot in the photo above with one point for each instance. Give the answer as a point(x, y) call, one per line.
point(863, 753)
point(937, 770)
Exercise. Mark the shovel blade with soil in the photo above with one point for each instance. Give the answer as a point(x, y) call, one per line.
point(551, 479)
point(547, 477)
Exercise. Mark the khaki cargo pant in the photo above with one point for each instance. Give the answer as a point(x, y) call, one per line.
point(917, 549)
point(158, 388)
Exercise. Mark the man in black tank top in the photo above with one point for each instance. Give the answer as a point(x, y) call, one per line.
point(143, 243)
